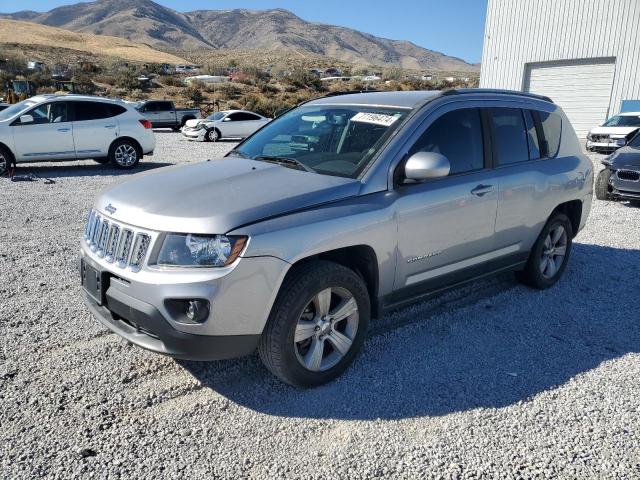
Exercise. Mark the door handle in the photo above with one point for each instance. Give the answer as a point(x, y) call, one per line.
point(109, 126)
point(64, 129)
point(481, 190)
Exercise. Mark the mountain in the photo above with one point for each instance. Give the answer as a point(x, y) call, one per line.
point(148, 22)
point(24, 33)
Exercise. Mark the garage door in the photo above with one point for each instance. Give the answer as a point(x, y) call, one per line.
point(581, 88)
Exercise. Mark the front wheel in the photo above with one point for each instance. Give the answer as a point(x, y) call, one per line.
point(124, 154)
point(5, 160)
point(549, 255)
point(602, 185)
point(212, 135)
point(317, 325)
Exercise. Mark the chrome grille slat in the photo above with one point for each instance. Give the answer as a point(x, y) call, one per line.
point(139, 251)
point(126, 247)
point(112, 243)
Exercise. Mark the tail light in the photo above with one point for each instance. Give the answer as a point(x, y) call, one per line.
point(145, 123)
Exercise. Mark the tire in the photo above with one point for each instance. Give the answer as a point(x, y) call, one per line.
point(124, 154)
point(102, 161)
point(6, 159)
point(549, 255)
point(212, 135)
point(309, 290)
point(176, 129)
point(602, 185)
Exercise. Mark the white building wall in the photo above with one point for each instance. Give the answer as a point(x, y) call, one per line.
point(520, 32)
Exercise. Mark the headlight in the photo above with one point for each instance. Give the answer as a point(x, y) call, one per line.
point(195, 250)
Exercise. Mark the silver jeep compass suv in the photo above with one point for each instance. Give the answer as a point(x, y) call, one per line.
point(336, 212)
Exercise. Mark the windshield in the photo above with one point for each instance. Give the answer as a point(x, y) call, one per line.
point(635, 141)
point(623, 121)
point(332, 140)
point(217, 116)
point(15, 109)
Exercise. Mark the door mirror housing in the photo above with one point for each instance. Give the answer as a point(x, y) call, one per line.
point(423, 166)
point(26, 119)
point(227, 119)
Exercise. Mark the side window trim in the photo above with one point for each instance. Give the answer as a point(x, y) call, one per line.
point(542, 140)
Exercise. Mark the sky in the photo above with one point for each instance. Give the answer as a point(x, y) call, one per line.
point(453, 27)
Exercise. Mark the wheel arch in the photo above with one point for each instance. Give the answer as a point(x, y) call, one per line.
point(362, 259)
point(133, 140)
point(8, 149)
point(573, 210)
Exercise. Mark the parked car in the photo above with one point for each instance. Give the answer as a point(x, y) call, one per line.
point(225, 124)
point(614, 133)
point(338, 211)
point(164, 114)
point(73, 127)
point(620, 179)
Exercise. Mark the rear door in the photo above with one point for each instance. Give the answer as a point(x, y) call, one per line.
point(239, 124)
point(94, 128)
point(48, 137)
point(526, 172)
point(446, 225)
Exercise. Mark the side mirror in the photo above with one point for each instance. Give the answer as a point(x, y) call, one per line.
point(426, 165)
point(227, 119)
point(26, 119)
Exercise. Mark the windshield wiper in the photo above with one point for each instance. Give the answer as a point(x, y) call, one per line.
point(285, 161)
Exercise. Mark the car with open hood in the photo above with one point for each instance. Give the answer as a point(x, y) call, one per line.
point(337, 211)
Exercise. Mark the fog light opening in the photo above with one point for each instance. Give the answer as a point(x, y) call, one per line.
point(197, 310)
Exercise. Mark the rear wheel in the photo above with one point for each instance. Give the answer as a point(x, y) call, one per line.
point(550, 254)
point(124, 154)
point(602, 185)
point(317, 325)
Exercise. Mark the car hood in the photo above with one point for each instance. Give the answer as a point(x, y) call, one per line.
point(196, 122)
point(613, 130)
point(625, 157)
point(218, 196)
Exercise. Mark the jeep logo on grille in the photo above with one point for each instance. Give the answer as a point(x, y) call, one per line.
point(110, 209)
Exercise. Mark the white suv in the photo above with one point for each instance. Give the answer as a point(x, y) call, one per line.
point(73, 127)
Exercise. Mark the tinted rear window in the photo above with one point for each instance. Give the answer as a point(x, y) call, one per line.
point(552, 132)
point(510, 135)
point(96, 110)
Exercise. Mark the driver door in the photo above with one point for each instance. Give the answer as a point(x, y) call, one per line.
point(446, 225)
point(49, 136)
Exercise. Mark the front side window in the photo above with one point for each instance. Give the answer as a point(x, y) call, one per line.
point(458, 136)
point(49, 113)
point(339, 140)
point(623, 121)
point(510, 144)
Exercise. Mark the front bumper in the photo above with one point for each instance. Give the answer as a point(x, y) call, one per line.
point(608, 147)
point(190, 134)
point(143, 325)
point(624, 189)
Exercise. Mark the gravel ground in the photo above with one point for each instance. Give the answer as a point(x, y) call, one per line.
point(493, 380)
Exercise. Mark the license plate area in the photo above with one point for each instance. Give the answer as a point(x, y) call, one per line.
point(94, 282)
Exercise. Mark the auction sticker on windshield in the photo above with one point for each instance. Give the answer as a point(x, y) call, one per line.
point(375, 118)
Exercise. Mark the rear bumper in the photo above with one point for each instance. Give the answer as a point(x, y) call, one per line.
point(142, 324)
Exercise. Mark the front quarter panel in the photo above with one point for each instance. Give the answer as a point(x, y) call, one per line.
point(368, 220)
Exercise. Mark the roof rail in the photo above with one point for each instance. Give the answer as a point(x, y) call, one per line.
point(461, 91)
point(346, 92)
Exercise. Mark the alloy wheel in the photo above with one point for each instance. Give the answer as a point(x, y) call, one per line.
point(126, 155)
point(4, 164)
point(326, 329)
point(553, 251)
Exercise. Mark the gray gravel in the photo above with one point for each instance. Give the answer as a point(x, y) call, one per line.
point(494, 380)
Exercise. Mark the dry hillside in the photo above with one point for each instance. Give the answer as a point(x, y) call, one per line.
point(24, 33)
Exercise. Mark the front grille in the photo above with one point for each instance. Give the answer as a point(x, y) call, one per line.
point(628, 175)
point(600, 138)
point(115, 243)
